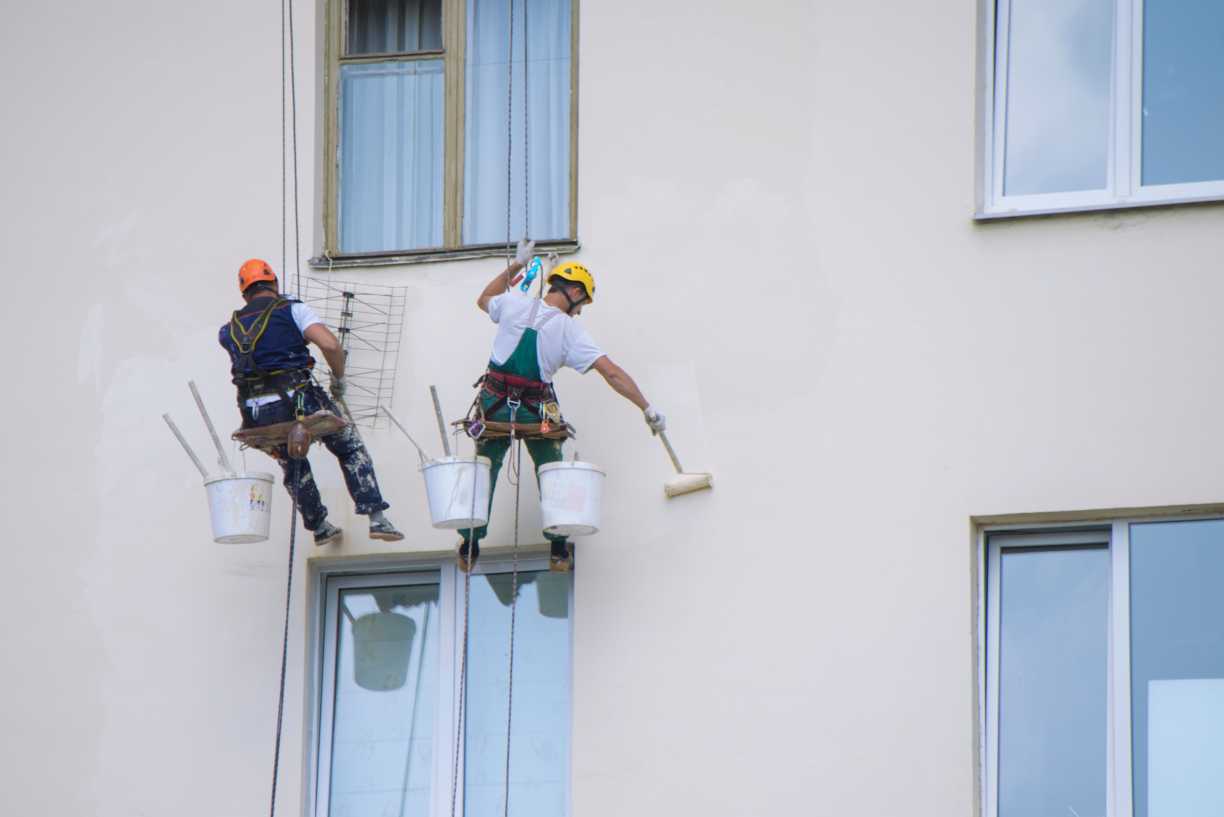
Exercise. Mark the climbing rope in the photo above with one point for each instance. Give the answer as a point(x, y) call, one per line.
point(288, 129)
point(518, 454)
point(467, 596)
point(509, 130)
point(280, 700)
point(289, 137)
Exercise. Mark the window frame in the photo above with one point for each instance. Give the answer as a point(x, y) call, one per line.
point(321, 661)
point(453, 54)
point(1124, 152)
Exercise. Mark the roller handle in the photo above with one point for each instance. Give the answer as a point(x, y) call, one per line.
point(446, 446)
point(671, 452)
point(222, 458)
point(186, 447)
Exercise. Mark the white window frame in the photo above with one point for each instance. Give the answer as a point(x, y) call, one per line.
point(322, 661)
point(1123, 182)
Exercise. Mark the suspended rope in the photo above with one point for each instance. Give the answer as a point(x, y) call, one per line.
point(297, 229)
point(289, 141)
point(462, 694)
point(280, 699)
point(526, 131)
point(509, 131)
point(518, 453)
point(288, 135)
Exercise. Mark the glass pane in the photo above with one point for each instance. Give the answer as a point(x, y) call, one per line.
point(1053, 638)
point(1177, 668)
point(1058, 83)
point(386, 675)
point(391, 156)
point(1183, 91)
point(539, 766)
point(394, 26)
point(548, 72)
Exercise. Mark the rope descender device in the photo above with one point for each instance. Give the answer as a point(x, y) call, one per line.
point(299, 440)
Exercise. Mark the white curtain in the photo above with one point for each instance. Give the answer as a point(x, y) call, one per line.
point(547, 50)
point(391, 142)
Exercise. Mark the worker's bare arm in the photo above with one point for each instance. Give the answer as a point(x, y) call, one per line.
point(501, 282)
point(620, 381)
point(329, 345)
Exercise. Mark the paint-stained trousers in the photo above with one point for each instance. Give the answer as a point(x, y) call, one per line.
point(345, 444)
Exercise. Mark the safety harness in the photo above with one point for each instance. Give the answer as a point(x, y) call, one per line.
point(248, 377)
point(514, 390)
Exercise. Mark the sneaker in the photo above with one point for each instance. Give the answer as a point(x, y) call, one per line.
point(327, 533)
point(466, 558)
point(384, 530)
point(561, 557)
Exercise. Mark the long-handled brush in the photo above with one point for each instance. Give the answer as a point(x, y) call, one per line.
point(683, 483)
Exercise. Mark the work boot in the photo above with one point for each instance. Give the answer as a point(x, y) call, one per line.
point(561, 557)
point(381, 528)
point(467, 556)
point(327, 533)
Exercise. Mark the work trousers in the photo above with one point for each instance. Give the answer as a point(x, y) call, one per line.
point(345, 444)
point(541, 450)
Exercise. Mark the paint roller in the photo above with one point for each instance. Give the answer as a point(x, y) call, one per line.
point(684, 482)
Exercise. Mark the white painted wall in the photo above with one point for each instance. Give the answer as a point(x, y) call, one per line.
point(777, 202)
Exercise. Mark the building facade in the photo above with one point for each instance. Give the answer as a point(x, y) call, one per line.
point(931, 290)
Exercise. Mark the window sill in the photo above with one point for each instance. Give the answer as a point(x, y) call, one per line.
point(395, 259)
point(1096, 207)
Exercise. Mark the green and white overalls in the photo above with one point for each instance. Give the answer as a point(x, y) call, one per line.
point(523, 362)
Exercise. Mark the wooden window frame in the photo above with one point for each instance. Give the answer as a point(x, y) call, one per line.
point(453, 54)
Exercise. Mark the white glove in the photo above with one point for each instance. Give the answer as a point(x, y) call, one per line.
point(655, 420)
point(525, 252)
point(337, 387)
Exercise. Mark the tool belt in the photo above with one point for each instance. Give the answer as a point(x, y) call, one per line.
point(283, 382)
point(539, 398)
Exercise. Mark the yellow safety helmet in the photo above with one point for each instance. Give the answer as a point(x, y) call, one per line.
point(577, 274)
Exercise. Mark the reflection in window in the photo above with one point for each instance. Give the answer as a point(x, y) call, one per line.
point(1052, 649)
point(1177, 668)
point(539, 765)
point(386, 679)
point(1058, 95)
point(1183, 91)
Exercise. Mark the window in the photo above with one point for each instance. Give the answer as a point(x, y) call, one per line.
point(1102, 103)
point(1104, 671)
point(388, 681)
point(421, 157)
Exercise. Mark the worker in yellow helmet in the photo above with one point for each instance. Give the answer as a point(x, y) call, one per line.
point(535, 338)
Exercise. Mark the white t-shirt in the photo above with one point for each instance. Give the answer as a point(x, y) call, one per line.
point(304, 317)
point(561, 340)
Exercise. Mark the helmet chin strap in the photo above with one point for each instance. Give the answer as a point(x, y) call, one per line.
point(572, 303)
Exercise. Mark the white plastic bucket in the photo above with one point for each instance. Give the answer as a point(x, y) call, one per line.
point(240, 506)
point(448, 484)
point(571, 498)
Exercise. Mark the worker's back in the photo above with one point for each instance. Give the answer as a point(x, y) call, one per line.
point(278, 346)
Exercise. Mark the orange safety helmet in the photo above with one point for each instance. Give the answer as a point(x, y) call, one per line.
point(254, 271)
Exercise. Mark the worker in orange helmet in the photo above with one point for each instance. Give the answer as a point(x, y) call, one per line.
point(271, 366)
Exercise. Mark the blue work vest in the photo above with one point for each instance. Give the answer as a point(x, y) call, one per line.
point(279, 348)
